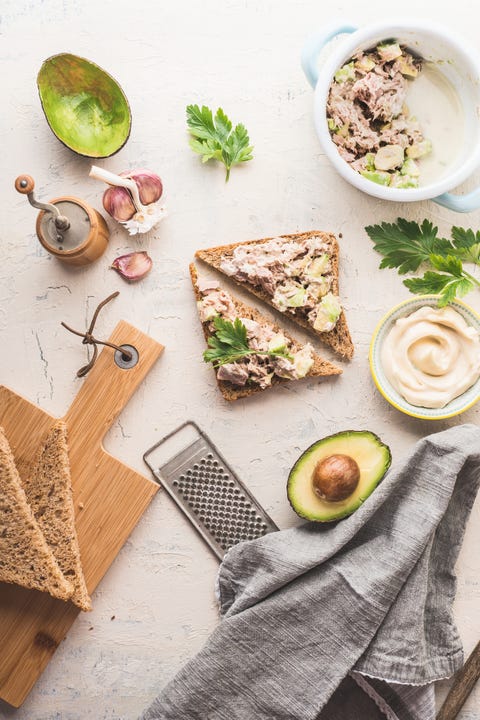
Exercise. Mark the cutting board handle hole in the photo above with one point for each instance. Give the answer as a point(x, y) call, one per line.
point(123, 361)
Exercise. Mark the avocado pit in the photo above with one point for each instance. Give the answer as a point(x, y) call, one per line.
point(335, 477)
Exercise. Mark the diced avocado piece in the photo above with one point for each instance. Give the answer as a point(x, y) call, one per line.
point(389, 157)
point(407, 68)
point(389, 51)
point(343, 130)
point(278, 342)
point(410, 167)
point(376, 176)
point(370, 161)
point(331, 125)
point(303, 361)
point(420, 149)
point(365, 63)
point(403, 181)
point(345, 73)
point(292, 295)
point(318, 267)
point(347, 465)
point(329, 310)
point(318, 287)
point(207, 315)
point(297, 299)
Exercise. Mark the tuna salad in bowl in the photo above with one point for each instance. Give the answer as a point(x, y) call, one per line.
point(369, 119)
point(395, 109)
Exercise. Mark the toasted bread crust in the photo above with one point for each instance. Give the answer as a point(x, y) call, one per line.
point(25, 557)
point(339, 338)
point(49, 492)
point(320, 367)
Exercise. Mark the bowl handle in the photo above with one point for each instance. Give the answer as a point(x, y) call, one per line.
point(460, 203)
point(314, 45)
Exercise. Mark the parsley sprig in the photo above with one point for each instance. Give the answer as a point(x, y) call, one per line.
point(406, 245)
point(214, 138)
point(230, 343)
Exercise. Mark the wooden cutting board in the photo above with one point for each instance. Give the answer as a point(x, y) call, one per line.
point(109, 500)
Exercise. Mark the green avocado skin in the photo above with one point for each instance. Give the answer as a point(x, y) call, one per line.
point(84, 106)
point(361, 445)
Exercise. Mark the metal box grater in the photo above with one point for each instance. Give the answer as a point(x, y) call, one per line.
point(206, 489)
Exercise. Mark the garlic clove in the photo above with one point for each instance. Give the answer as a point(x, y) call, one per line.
point(132, 197)
point(118, 203)
point(149, 185)
point(133, 266)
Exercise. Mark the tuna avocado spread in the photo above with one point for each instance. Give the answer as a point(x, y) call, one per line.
point(369, 120)
point(297, 275)
point(261, 354)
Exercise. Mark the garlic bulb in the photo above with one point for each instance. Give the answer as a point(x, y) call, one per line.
point(133, 266)
point(133, 199)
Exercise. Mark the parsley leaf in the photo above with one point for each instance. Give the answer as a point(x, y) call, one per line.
point(214, 138)
point(405, 244)
point(230, 343)
point(467, 243)
point(453, 281)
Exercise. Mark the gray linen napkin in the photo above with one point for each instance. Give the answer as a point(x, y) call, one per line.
point(342, 621)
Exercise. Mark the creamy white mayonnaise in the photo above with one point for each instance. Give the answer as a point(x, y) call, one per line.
point(432, 356)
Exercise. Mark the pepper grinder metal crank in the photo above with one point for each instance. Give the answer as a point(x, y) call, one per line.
point(67, 227)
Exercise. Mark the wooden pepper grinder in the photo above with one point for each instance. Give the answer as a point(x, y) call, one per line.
point(67, 227)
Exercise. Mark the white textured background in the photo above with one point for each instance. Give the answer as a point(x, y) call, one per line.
point(244, 56)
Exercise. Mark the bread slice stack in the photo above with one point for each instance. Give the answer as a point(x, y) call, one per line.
point(38, 540)
point(25, 557)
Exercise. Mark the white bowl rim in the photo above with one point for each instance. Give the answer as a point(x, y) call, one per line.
point(346, 48)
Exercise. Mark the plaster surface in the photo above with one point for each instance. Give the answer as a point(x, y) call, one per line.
point(156, 607)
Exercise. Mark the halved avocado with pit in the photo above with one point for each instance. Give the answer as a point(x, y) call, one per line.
point(348, 463)
point(85, 107)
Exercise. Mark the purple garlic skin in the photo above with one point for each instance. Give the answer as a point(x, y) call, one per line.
point(118, 202)
point(133, 266)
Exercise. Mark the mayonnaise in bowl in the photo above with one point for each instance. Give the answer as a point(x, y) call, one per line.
point(431, 356)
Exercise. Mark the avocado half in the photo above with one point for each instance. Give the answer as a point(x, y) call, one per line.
point(372, 457)
point(85, 107)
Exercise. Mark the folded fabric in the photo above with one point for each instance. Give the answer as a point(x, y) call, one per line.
point(323, 620)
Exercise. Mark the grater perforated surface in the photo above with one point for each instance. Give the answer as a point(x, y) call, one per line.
point(207, 490)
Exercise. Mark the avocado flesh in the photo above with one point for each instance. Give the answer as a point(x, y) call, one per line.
point(85, 107)
point(368, 451)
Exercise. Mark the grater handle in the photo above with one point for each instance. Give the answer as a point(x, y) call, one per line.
point(150, 457)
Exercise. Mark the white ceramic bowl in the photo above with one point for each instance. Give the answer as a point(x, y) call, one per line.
point(459, 63)
point(454, 407)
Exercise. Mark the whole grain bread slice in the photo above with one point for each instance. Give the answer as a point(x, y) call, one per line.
point(339, 338)
point(25, 557)
point(320, 367)
point(49, 492)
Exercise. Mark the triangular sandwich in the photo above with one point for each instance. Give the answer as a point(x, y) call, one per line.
point(49, 492)
point(230, 326)
point(295, 274)
point(25, 557)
